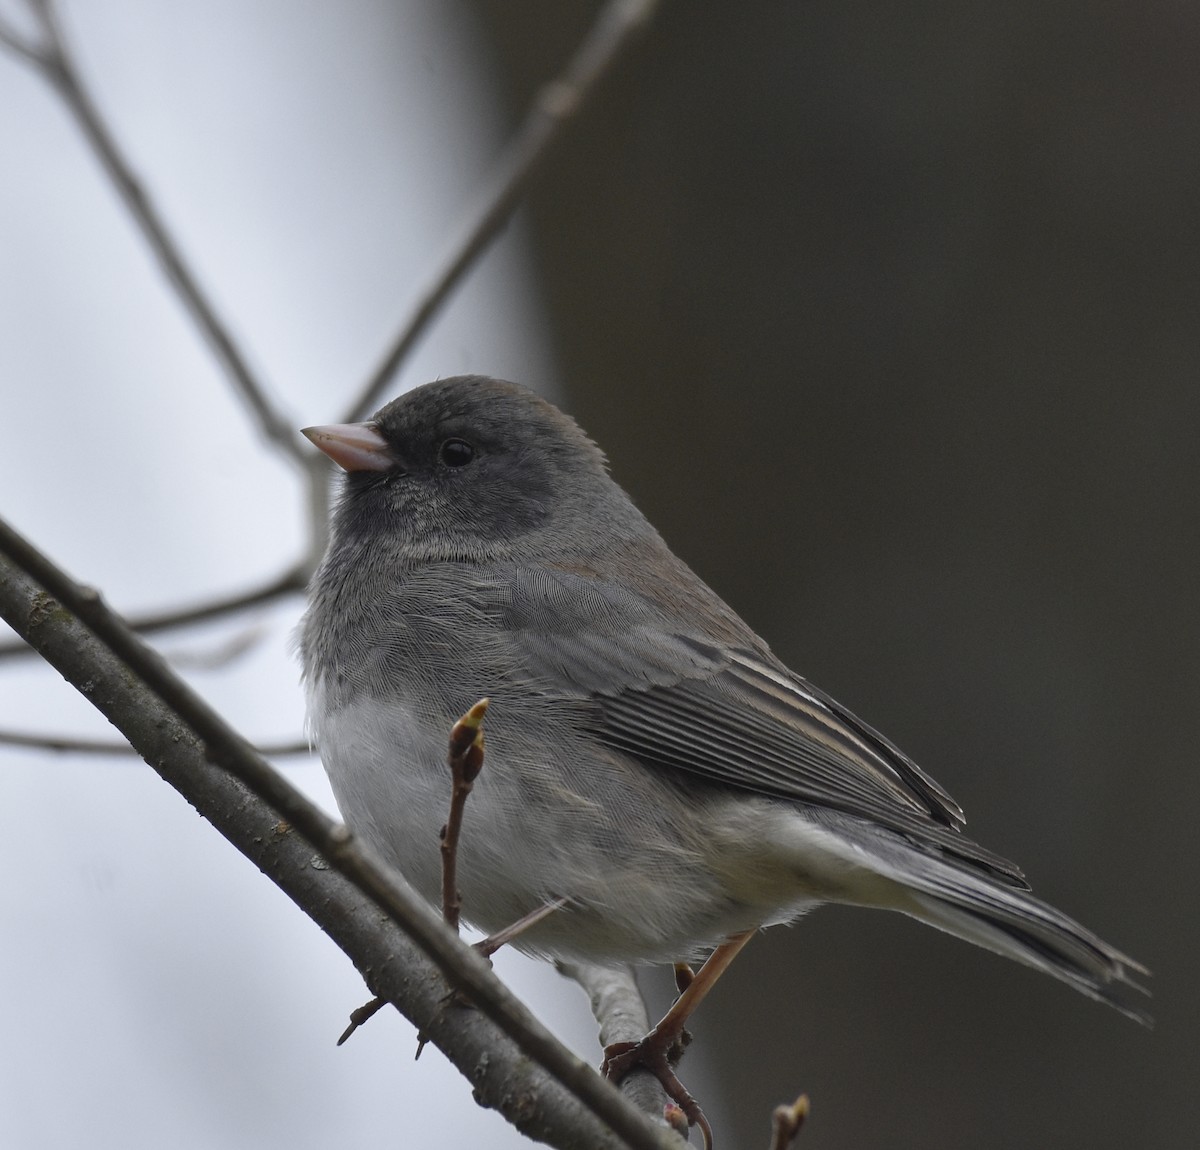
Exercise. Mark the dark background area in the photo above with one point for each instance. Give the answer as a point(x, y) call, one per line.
point(886, 316)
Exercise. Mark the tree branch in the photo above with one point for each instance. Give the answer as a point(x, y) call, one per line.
point(68, 744)
point(554, 108)
point(290, 582)
point(53, 60)
point(256, 809)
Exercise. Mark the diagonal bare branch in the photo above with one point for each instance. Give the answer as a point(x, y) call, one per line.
point(554, 109)
point(45, 606)
point(54, 61)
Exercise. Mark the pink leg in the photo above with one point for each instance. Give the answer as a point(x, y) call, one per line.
point(654, 1052)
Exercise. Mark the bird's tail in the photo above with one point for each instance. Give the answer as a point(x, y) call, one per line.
point(973, 905)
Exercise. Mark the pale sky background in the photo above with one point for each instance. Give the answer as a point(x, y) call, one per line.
point(155, 990)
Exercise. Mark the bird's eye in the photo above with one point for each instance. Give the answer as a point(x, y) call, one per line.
point(457, 453)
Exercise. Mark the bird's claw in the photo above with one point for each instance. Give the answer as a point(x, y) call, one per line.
point(657, 1053)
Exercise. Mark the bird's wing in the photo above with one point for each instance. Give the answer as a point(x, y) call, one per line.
point(682, 700)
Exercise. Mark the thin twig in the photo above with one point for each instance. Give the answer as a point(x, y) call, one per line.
point(33, 614)
point(68, 744)
point(361, 1015)
point(466, 758)
point(466, 761)
point(292, 581)
point(55, 63)
point(554, 108)
point(488, 946)
point(220, 656)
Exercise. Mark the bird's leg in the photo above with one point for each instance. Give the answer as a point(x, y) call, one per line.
point(621, 1057)
point(663, 1045)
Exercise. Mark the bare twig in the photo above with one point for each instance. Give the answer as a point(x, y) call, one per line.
point(221, 655)
point(67, 744)
point(786, 1122)
point(466, 756)
point(466, 761)
point(488, 946)
point(554, 108)
point(42, 603)
point(53, 60)
point(361, 1015)
point(290, 582)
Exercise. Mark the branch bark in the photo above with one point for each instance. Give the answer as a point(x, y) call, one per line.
point(620, 1012)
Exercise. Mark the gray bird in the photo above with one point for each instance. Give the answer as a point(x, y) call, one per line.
point(648, 759)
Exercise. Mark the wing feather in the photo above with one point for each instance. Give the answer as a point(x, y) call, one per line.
point(728, 713)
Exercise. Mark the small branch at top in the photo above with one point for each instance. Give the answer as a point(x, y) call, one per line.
point(555, 108)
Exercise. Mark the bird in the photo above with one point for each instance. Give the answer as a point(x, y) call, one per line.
point(653, 771)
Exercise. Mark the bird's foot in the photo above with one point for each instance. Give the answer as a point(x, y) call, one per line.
point(657, 1053)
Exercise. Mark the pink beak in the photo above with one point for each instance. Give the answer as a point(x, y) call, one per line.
point(353, 446)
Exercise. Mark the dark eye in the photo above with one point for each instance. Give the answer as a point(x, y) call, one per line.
point(457, 453)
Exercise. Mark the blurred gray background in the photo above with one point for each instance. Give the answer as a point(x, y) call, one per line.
point(886, 316)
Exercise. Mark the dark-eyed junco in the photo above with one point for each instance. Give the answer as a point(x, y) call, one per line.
point(648, 759)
